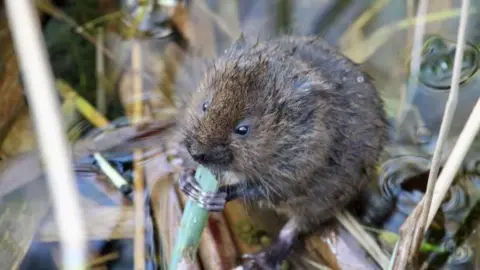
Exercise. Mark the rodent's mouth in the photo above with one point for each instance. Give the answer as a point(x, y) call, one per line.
point(217, 157)
point(215, 167)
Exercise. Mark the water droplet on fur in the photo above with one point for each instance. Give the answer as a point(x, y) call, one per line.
point(360, 79)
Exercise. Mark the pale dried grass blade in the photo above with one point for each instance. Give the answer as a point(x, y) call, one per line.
point(31, 51)
point(454, 161)
point(365, 239)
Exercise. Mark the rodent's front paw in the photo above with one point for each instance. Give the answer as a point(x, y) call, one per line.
point(212, 201)
point(263, 260)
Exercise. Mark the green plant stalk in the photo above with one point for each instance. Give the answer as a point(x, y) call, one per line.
point(192, 224)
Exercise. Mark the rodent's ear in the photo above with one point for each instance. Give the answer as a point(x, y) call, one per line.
point(306, 87)
point(241, 42)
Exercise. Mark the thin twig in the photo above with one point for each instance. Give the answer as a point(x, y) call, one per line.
point(418, 35)
point(60, 15)
point(410, 6)
point(100, 67)
point(32, 53)
point(414, 228)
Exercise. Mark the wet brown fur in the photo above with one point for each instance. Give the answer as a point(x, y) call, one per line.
point(318, 125)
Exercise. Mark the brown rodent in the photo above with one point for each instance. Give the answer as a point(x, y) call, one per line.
point(297, 122)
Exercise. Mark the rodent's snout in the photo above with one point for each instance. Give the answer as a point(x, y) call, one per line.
point(217, 155)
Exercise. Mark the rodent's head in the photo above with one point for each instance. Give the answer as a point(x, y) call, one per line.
point(245, 113)
point(223, 124)
point(227, 122)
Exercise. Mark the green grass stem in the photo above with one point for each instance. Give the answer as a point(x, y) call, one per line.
point(192, 224)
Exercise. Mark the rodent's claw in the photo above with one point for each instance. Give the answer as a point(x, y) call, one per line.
point(212, 201)
point(262, 260)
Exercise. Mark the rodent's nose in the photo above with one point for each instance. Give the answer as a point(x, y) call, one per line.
point(200, 157)
point(218, 155)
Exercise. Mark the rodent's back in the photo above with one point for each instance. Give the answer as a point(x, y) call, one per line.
point(356, 108)
point(354, 118)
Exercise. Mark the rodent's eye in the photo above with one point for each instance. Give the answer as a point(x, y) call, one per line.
point(205, 106)
point(242, 130)
point(244, 127)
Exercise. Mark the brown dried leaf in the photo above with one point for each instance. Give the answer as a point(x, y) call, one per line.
point(11, 97)
point(21, 136)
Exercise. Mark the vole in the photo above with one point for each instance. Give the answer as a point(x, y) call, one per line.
point(299, 124)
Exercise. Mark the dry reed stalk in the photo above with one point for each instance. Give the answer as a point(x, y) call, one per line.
point(31, 51)
point(454, 161)
point(138, 181)
point(414, 227)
